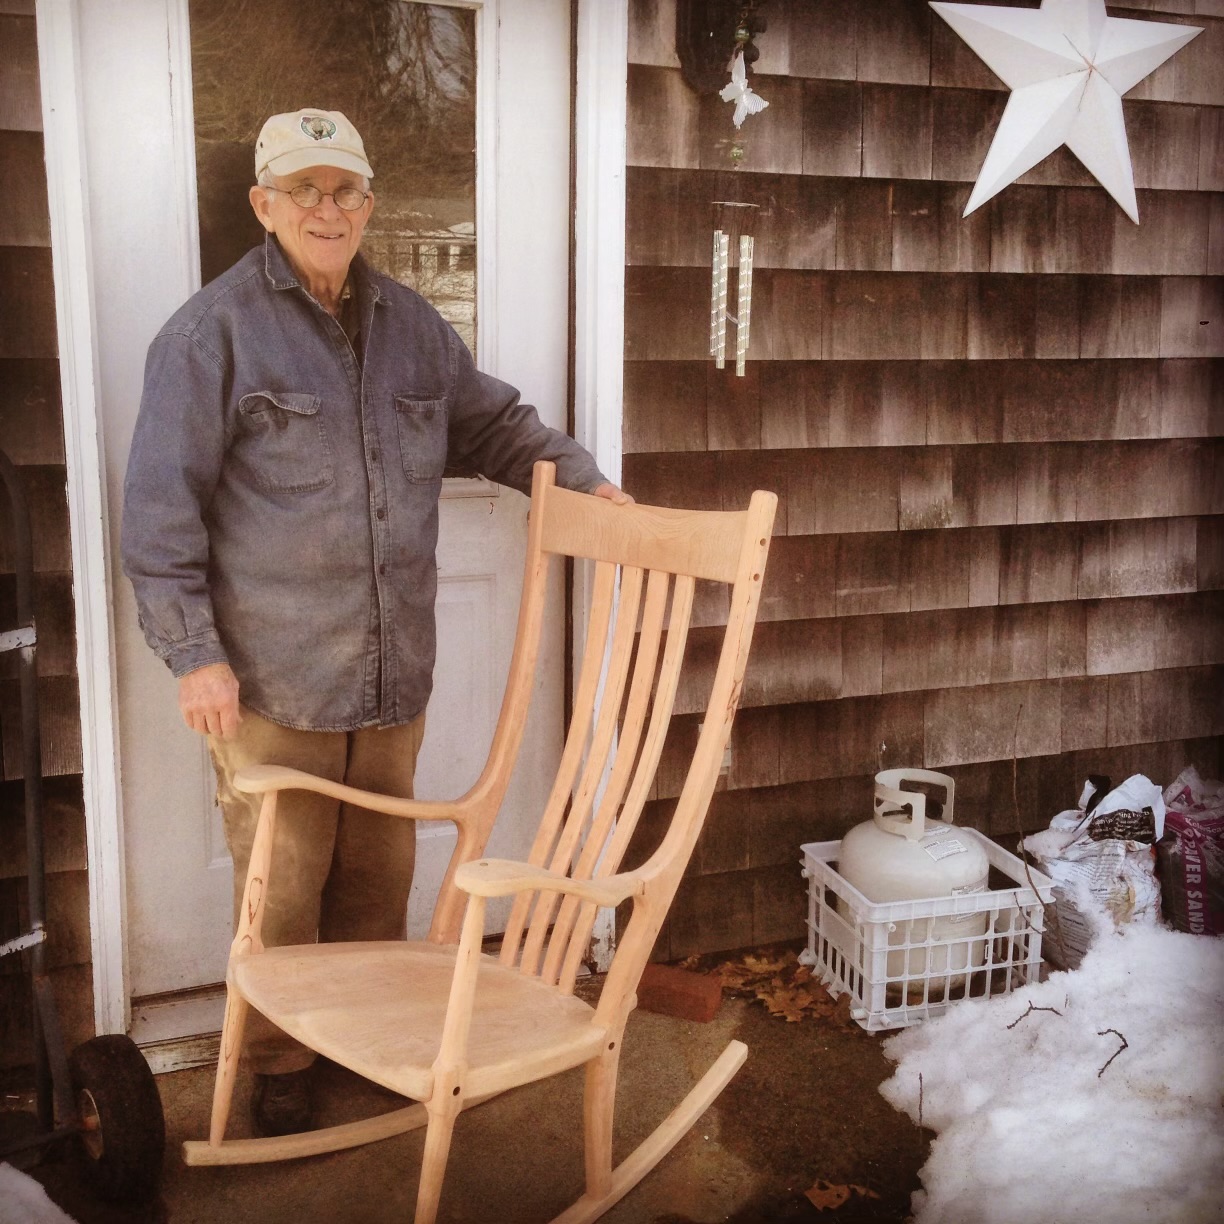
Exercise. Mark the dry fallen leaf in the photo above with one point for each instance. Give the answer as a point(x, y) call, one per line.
point(787, 988)
point(783, 1002)
point(827, 1196)
point(733, 976)
point(762, 964)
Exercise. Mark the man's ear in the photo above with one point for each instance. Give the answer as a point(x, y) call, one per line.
point(262, 207)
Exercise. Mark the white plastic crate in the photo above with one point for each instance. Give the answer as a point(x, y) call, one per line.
point(905, 961)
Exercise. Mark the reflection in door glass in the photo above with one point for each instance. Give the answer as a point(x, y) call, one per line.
point(403, 72)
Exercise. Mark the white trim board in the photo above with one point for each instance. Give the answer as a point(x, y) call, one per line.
point(178, 1031)
point(72, 264)
point(599, 229)
point(601, 77)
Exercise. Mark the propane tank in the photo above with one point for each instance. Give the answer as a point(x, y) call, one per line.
point(901, 855)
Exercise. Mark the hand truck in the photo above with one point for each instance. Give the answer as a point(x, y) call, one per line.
point(102, 1096)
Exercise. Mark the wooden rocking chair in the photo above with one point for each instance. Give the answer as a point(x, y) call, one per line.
point(449, 1026)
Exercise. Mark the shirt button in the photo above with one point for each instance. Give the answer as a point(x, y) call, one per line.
point(382, 569)
point(373, 456)
point(381, 513)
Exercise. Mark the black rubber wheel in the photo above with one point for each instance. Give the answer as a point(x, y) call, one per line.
point(124, 1136)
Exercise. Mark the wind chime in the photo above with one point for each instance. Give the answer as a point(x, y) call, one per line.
point(733, 218)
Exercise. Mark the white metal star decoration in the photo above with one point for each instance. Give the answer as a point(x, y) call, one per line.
point(738, 90)
point(1067, 64)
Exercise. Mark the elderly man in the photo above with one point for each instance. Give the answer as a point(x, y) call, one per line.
point(280, 521)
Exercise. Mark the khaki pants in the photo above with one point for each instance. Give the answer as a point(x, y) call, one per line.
point(339, 873)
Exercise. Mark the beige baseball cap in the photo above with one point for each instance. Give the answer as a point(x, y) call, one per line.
point(294, 141)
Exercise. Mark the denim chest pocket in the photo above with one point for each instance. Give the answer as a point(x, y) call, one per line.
point(283, 442)
point(421, 423)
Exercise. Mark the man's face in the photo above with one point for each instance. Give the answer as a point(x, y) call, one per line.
point(321, 241)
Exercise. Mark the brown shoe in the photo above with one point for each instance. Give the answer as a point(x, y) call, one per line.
point(281, 1104)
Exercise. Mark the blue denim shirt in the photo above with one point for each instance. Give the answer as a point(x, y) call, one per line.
point(281, 501)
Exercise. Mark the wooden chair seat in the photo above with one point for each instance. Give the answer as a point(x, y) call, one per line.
point(443, 1023)
point(380, 1008)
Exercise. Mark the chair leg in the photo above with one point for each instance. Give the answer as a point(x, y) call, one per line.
point(433, 1163)
point(598, 1106)
point(236, 1008)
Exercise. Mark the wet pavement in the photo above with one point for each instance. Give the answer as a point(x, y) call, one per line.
point(803, 1112)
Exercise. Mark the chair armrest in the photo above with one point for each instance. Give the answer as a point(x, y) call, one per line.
point(502, 877)
point(259, 779)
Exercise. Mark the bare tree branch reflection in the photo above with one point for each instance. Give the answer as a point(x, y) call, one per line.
point(403, 72)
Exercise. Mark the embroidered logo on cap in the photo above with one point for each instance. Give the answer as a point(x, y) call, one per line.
point(318, 128)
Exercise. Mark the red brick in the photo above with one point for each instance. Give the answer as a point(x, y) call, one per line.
point(671, 991)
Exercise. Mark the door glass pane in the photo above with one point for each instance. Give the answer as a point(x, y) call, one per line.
point(403, 72)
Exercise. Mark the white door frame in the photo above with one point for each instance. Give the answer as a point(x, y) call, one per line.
point(75, 314)
point(599, 225)
point(601, 82)
point(601, 78)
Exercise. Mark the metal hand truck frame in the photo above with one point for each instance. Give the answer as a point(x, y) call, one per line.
point(102, 1096)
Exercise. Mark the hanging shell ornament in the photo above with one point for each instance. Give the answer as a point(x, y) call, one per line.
point(738, 90)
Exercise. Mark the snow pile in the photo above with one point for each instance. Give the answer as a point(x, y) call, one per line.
point(24, 1201)
point(1031, 1128)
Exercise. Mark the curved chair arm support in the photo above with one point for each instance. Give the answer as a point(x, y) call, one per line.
point(503, 877)
point(260, 779)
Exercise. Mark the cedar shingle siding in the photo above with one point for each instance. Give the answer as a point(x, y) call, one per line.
point(996, 440)
point(31, 433)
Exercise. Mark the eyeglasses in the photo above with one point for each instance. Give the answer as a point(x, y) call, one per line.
point(305, 195)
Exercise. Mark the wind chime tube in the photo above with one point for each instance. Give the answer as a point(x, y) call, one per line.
point(743, 313)
point(718, 300)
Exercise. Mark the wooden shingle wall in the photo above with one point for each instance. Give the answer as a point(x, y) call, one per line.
point(996, 440)
point(31, 433)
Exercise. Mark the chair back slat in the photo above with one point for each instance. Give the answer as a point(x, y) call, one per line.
point(602, 589)
point(605, 734)
point(629, 735)
point(647, 763)
point(575, 830)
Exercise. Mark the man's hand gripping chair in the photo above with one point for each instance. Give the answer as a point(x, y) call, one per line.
point(439, 1021)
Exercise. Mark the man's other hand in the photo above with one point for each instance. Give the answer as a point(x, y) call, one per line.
point(208, 699)
point(617, 496)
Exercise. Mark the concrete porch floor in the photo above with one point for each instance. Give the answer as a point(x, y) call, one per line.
point(804, 1107)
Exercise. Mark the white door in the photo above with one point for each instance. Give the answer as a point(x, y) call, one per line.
point(139, 140)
